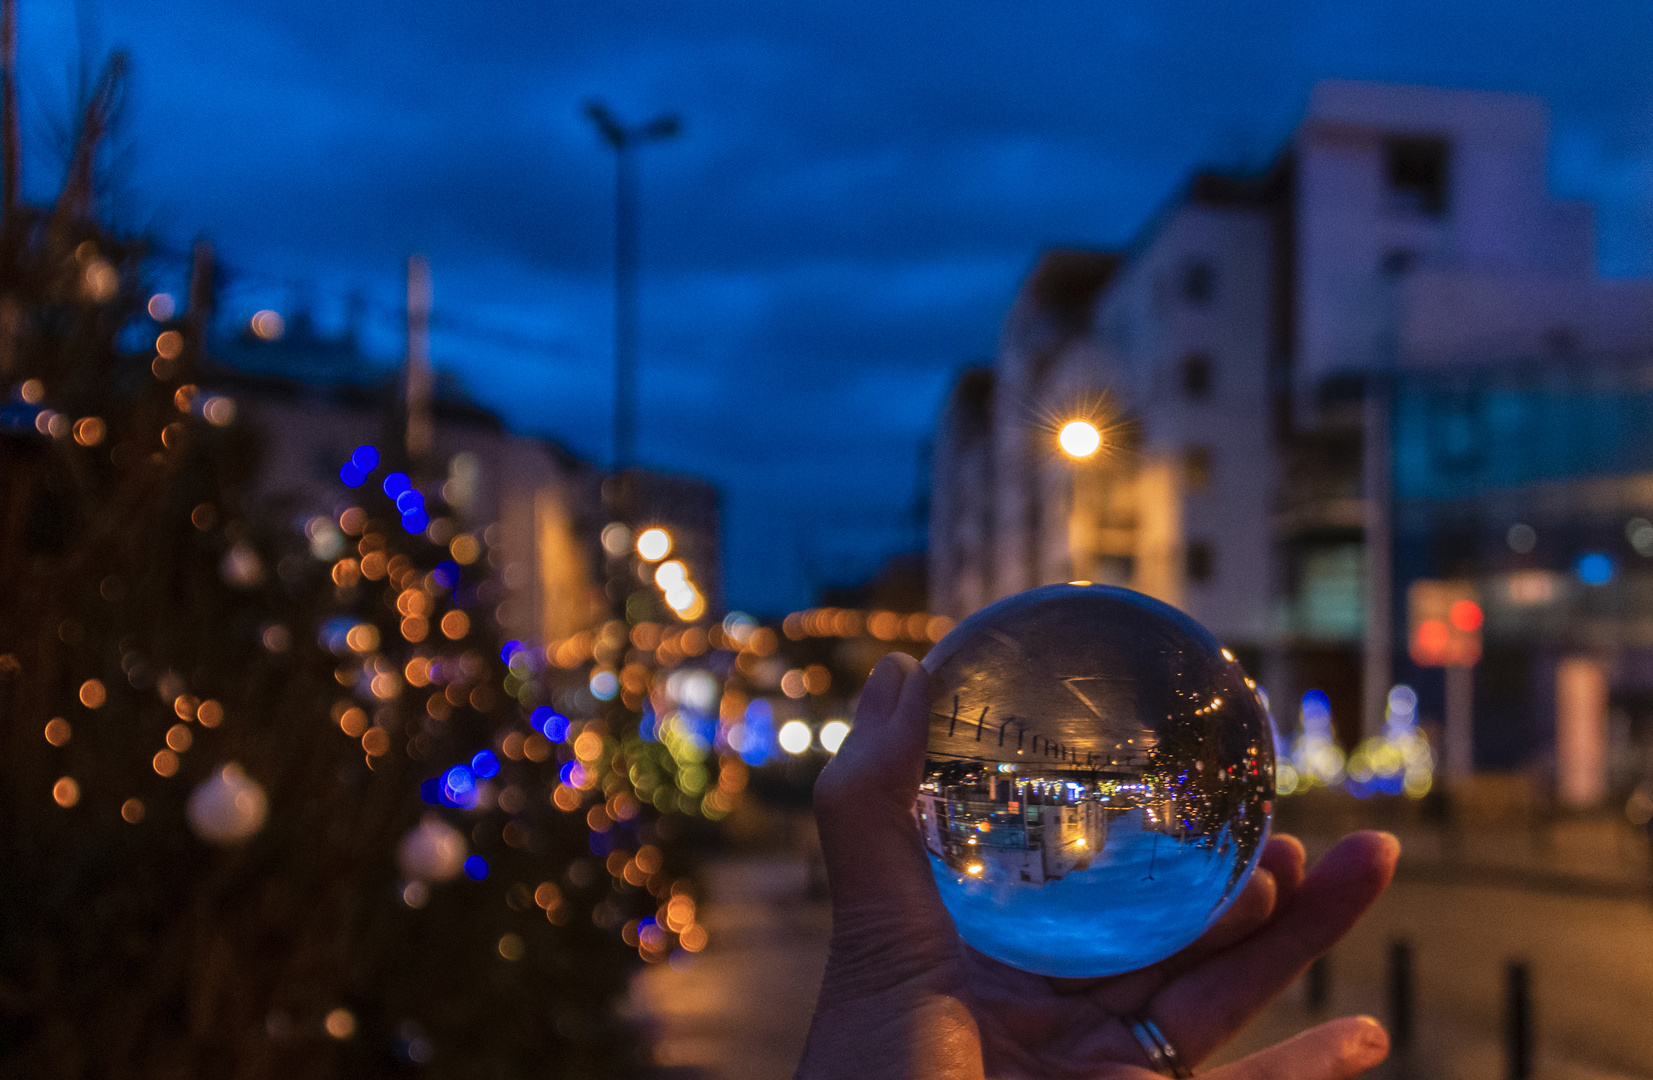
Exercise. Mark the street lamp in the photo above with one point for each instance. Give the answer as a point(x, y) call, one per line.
point(1079, 439)
point(624, 139)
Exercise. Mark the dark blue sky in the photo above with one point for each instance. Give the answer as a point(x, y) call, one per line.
point(858, 189)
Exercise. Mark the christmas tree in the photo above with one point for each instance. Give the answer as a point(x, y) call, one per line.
point(281, 800)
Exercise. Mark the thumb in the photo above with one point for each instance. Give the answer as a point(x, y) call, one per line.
point(1337, 1050)
point(883, 892)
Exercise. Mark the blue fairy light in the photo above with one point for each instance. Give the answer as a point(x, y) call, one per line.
point(446, 573)
point(365, 459)
point(396, 483)
point(351, 476)
point(1595, 568)
point(476, 867)
point(416, 520)
point(485, 764)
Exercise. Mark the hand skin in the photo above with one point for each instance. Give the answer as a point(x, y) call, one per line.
point(905, 999)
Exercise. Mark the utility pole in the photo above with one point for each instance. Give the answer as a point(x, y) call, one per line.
point(11, 169)
point(624, 140)
point(420, 437)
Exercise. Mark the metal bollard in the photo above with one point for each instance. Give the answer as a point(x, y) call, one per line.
point(1400, 994)
point(1317, 984)
point(1518, 1020)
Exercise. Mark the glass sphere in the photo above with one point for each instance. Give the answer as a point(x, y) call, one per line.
point(1099, 779)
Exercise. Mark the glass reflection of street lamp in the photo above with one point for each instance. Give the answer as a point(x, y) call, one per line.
point(1079, 439)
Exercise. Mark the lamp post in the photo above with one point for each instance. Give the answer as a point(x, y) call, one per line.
point(624, 139)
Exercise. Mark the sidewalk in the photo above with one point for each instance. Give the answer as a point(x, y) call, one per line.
point(1570, 899)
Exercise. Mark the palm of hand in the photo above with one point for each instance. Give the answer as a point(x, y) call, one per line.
point(904, 997)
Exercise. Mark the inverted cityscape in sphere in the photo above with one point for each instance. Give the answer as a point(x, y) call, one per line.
point(1099, 780)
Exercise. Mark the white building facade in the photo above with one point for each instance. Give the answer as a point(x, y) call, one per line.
point(1235, 356)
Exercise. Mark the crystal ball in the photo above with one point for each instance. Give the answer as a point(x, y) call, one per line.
point(1099, 779)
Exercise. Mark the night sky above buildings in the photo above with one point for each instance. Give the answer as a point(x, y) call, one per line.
point(857, 192)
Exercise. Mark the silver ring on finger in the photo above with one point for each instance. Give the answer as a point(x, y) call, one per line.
point(1162, 1056)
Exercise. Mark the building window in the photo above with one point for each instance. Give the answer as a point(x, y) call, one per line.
point(1416, 170)
point(1199, 282)
point(1196, 468)
point(1201, 561)
point(1196, 376)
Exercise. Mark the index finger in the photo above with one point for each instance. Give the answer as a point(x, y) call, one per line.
point(1204, 1007)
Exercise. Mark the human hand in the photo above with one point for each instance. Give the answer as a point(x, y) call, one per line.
point(905, 999)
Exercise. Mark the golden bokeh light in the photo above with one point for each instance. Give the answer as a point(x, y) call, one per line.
point(66, 792)
point(340, 1024)
point(58, 731)
point(455, 625)
point(210, 714)
point(92, 694)
point(165, 763)
point(90, 430)
point(169, 344)
point(465, 549)
point(132, 811)
point(353, 722)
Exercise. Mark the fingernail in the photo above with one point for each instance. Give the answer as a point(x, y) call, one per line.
point(1370, 1036)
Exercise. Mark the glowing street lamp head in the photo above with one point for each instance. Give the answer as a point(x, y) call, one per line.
point(1079, 439)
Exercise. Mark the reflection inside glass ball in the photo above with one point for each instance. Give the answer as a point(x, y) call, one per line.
point(1099, 779)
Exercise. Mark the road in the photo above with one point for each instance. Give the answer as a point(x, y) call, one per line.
point(741, 1010)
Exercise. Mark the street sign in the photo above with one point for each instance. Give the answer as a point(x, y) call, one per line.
point(1445, 623)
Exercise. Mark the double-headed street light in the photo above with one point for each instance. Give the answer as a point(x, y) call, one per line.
point(624, 139)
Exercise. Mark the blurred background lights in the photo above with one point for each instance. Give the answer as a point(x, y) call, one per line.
point(832, 735)
point(1466, 615)
point(340, 1024)
point(66, 792)
point(1639, 531)
point(267, 325)
point(1521, 538)
point(219, 411)
point(228, 807)
point(162, 307)
point(485, 764)
point(476, 867)
point(1079, 439)
point(1595, 568)
point(616, 539)
point(794, 736)
point(433, 850)
point(654, 544)
point(604, 685)
point(365, 458)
